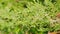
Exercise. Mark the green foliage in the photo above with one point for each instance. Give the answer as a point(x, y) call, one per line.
point(31, 16)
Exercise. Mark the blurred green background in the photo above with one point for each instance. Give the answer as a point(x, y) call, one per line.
point(28, 16)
